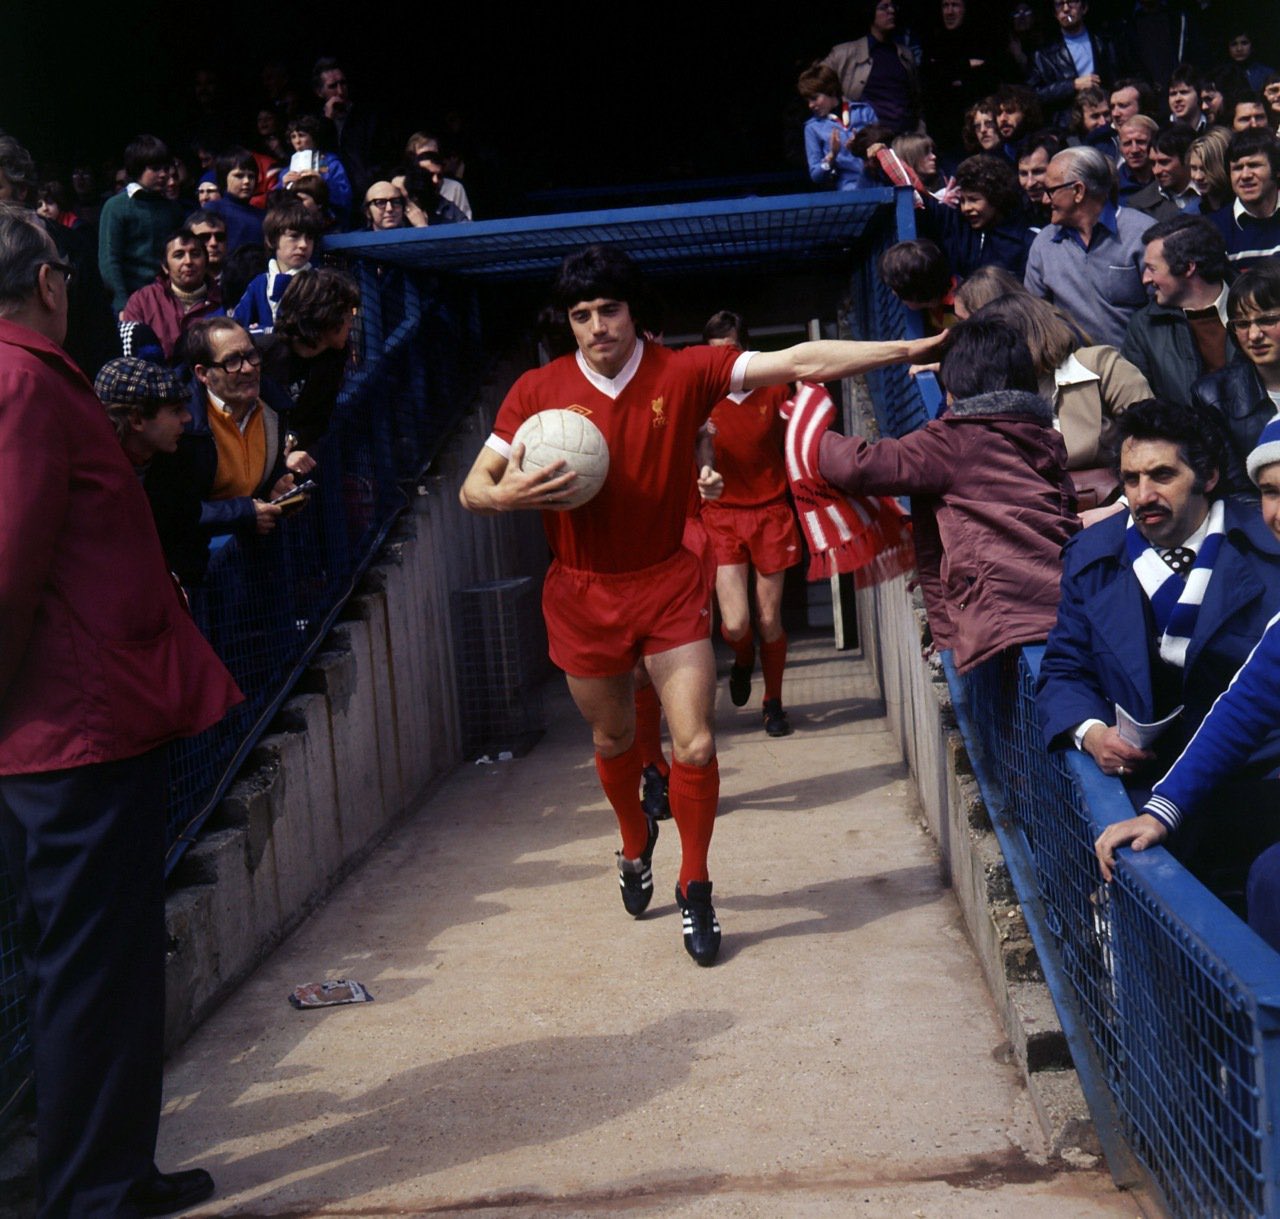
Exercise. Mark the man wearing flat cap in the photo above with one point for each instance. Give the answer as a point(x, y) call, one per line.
point(147, 405)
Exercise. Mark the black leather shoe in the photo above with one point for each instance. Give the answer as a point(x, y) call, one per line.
point(635, 876)
point(167, 1192)
point(701, 928)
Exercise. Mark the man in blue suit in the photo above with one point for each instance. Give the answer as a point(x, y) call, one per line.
point(1159, 606)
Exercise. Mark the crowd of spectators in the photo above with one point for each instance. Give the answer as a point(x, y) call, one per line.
point(1106, 193)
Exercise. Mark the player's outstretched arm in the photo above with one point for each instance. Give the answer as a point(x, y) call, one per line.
point(831, 359)
point(496, 484)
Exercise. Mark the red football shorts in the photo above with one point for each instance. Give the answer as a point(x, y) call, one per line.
point(766, 537)
point(600, 624)
point(697, 540)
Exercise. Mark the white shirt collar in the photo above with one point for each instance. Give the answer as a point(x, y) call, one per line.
point(1238, 209)
point(1196, 540)
point(1072, 372)
point(217, 402)
point(612, 387)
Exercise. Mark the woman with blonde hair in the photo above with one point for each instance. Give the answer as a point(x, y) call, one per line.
point(1089, 385)
point(1207, 161)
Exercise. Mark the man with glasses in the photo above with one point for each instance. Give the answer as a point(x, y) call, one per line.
point(384, 207)
point(1076, 59)
point(92, 633)
point(1246, 393)
point(235, 443)
point(1088, 259)
point(135, 224)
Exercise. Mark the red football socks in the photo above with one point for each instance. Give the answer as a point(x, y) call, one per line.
point(695, 795)
point(649, 729)
point(744, 647)
point(773, 659)
point(620, 778)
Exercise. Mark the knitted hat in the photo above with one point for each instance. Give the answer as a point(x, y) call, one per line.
point(1267, 449)
point(131, 382)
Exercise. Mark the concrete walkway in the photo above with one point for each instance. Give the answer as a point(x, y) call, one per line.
point(534, 1051)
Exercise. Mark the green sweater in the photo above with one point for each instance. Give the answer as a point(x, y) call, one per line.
point(131, 234)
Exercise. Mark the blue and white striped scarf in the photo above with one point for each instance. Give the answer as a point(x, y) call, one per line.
point(1175, 602)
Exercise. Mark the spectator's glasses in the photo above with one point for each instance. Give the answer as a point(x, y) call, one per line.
point(64, 267)
point(396, 201)
point(1053, 190)
point(1263, 321)
point(238, 361)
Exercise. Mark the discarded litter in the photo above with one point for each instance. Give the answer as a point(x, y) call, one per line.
point(333, 993)
point(485, 760)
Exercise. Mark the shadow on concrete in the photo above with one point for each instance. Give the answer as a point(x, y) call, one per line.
point(802, 795)
point(834, 906)
point(462, 1109)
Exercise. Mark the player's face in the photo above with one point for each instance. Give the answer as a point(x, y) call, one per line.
point(1166, 503)
point(605, 333)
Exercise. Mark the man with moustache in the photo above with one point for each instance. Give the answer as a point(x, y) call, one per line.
point(1159, 605)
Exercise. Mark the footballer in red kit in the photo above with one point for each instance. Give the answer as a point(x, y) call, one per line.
point(621, 587)
point(751, 525)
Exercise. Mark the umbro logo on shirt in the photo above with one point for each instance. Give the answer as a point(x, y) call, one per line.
point(578, 410)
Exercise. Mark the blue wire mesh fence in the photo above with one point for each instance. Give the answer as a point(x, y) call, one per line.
point(1169, 1001)
point(1170, 1004)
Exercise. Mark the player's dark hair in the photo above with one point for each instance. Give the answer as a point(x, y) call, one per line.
point(724, 323)
point(915, 270)
point(598, 272)
point(1199, 435)
point(984, 355)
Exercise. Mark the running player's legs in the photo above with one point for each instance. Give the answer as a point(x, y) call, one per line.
point(768, 604)
point(685, 678)
point(731, 594)
point(608, 705)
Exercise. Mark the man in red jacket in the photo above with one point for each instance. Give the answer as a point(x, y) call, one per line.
point(100, 666)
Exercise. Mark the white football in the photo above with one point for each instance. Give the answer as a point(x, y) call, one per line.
point(560, 435)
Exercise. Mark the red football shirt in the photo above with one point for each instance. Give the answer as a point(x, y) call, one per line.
point(651, 428)
point(749, 439)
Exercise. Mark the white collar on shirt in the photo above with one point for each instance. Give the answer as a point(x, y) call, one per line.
point(612, 387)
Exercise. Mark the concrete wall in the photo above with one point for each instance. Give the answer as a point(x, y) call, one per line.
point(894, 638)
point(371, 726)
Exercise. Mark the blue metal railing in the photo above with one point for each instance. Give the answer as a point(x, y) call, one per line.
point(1170, 1004)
